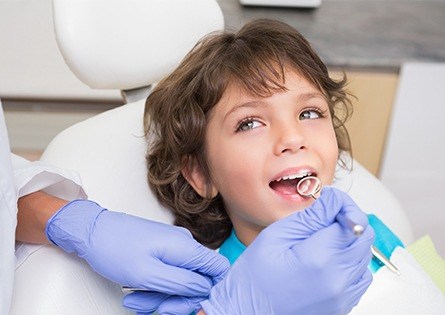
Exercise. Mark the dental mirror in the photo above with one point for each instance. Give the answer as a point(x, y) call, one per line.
point(309, 187)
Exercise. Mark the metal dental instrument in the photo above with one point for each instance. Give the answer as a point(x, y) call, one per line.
point(310, 186)
point(385, 261)
point(130, 290)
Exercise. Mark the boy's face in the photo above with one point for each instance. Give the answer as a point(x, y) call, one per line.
point(254, 143)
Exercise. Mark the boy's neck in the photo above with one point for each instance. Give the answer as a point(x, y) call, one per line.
point(246, 234)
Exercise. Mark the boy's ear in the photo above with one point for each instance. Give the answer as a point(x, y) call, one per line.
point(194, 175)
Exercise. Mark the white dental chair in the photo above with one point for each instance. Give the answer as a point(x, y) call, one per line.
point(129, 45)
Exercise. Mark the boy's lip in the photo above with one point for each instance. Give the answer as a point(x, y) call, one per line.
point(294, 172)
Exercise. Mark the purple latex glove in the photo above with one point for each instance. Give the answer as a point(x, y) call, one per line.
point(136, 252)
point(163, 304)
point(304, 264)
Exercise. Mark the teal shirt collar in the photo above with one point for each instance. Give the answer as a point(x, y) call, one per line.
point(232, 248)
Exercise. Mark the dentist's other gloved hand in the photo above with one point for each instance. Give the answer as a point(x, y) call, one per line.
point(136, 252)
point(304, 264)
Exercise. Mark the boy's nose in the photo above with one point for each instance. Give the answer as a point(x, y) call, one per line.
point(289, 138)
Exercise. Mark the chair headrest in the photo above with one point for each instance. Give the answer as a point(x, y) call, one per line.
point(116, 44)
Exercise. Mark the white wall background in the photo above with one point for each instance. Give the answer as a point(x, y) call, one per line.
point(40, 95)
point(31, 65)
point(414, 160)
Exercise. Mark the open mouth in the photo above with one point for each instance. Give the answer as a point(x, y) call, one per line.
point(287, 185)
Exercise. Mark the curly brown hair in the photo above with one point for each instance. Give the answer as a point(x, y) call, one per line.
point(177, 111)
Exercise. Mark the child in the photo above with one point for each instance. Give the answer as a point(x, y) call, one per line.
point(226, 120)
point(234, 128)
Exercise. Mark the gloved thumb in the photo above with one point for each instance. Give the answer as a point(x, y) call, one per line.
point(321, 214)
point(146, 302)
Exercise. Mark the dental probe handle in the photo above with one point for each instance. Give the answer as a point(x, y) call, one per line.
point(130, 290)
point(348, 224)
point(358, 229)
point(382, 258)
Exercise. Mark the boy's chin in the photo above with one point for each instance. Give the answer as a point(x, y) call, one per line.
point(298, 208)
point(286, 214)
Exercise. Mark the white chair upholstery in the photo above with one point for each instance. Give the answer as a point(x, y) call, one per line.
point(108, 150)
point(115, 44)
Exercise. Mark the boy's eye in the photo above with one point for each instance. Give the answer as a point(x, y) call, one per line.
point(310, 114)
point(248, 124)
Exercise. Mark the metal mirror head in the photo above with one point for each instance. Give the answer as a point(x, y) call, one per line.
point(309, 186)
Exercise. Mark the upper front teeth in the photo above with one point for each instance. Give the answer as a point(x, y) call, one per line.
point(293, 176)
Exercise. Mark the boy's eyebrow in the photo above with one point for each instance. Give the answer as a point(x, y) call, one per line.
point(308, 96)
point(250, 104)
point(258, 103)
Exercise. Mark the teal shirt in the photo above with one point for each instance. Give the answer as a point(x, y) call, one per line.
point(385, 240)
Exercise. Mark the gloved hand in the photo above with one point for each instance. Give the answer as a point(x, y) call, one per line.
point(304, 264)
point(148, 302)
point(136, 252)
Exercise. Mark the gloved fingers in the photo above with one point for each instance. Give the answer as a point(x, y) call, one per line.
point(355, 292)
point(324, 210)
point(322, 213)
point(144, 301)
point(192, 268)
point(358, 271)
point(200, 259)
point(361, 247)
point(332, 245)
point(296, 227)
point(364, 282)
point(180, 305)
point(347, 274)
point(344, 245)
point(350, 214)
point(334, 260)
point(353, 264)
point(180, 281)
point(338, 203)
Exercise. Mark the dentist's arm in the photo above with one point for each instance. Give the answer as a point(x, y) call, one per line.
point(126, 249)
point(34, 212)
